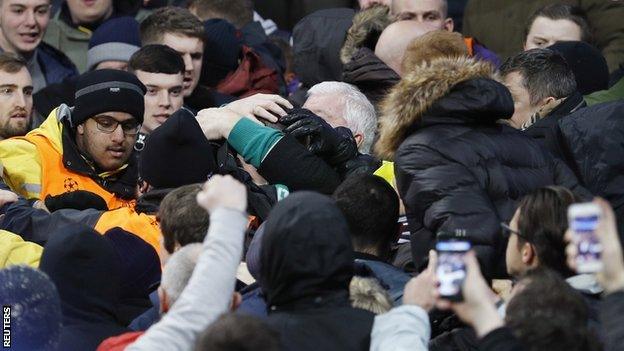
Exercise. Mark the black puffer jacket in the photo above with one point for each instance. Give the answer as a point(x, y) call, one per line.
point(306, 267)
point(594, 138)
point(457, 167)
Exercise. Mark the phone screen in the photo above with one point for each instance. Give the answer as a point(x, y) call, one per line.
point(451, 269)
point(589, 249)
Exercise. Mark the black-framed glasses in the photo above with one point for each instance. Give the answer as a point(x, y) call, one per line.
point(108, 125)
point(507, 231)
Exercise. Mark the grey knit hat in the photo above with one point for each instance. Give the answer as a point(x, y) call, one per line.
point(114, 40)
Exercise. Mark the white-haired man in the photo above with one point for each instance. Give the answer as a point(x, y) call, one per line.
point(343, 105)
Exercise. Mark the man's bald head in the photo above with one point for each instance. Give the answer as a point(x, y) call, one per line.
point(395, 39)
point(433, 12)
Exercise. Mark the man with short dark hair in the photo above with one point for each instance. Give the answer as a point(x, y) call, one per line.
point(371, 207)
point(16, 101)
point(161, 70)
point(181, 31)
point(23, 24)
point(544, 90)
point(498, 24)
point(556, 22)
point(82, 151)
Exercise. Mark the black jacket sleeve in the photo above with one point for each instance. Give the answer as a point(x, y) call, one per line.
point(443, 195)
point(612, 319)
point(500, 339)
point(290, 164)
point(35, 225)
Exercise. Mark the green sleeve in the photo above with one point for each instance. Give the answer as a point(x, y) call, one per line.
point(253, 141)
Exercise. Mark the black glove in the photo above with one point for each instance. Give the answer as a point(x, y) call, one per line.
point(77, 200)
point(335, 146)
point(360, 164)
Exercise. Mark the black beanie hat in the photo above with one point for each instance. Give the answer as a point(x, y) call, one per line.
point(108, 90)
point(222, 49)
point(589, 66)
point(177, 153)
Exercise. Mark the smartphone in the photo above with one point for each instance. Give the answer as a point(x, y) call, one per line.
point(583, 220)
point(451, 269)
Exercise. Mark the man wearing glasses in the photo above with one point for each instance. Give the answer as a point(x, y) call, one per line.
point(82, 155)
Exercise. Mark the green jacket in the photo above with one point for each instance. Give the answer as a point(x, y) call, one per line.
point(614, 93)
point(74, 42)
point(499, 24)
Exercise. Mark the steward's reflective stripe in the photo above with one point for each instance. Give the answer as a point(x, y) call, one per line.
point(32, 188)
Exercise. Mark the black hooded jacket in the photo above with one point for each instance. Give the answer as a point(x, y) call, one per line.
point(306, 267)
point(459, 167)
point(83, 266)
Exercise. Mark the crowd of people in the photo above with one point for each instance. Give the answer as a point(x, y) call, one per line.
point(279, 175)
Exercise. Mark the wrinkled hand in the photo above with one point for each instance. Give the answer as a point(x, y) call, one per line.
point(7, 196)
point(336, 146)
point(217, 123)
point(223, 191)
point(611, 278)
point(477, 309)
point(422, 291)
point(264, 106)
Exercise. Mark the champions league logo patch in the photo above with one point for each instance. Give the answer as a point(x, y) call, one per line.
point(70, 184)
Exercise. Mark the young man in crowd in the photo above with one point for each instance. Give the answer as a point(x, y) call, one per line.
point(23, 24)
point(161, 70)
point(16, 102)
point(435, 14)
point(81, 157)
point(498, 24)
point(183, 32)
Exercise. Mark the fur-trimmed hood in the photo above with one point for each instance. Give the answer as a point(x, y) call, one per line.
point(365, 30)
point(403, 108)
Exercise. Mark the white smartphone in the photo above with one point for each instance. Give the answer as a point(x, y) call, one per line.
point(583, 219)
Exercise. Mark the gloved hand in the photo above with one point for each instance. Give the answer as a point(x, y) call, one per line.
point(335, 146)
point(77, 200)
point(360, 164)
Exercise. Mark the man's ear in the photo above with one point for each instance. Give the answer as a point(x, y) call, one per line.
point(143, 187)
point(237, 299)
point(547, 105)
point(528, 254)
point(359, 139)
point(449, 25)
point(80, 129)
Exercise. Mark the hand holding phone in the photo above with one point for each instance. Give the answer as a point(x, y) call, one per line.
point(451, 268)
point(583, 221)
